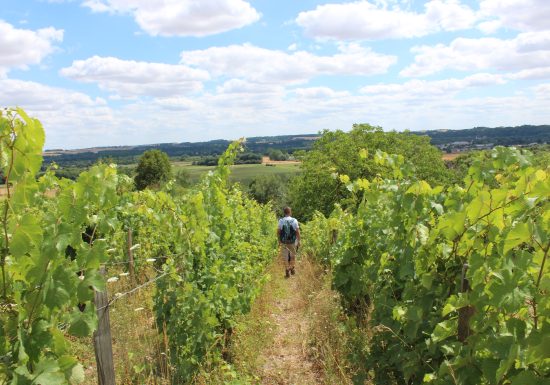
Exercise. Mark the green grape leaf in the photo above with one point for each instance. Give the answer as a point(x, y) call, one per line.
point(526, 378)
point(74, 371)
point(93, 281)
point(48, 372)
point(26, 235)
point(444, 330)
point(82, 323)
point(516, 236)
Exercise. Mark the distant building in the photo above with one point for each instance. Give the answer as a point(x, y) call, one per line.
point(459, 143)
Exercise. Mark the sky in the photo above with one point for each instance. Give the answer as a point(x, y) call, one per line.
point(126, 72)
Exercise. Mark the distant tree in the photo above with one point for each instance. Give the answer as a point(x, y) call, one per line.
point(277, 155)
point(248, 158)
point(68, 172)
point(153, 169)
point(127, 170)
point(269, 188)
point(207, 161)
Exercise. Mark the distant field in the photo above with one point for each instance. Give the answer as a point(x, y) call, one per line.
point(242, 173)
point(451, 156)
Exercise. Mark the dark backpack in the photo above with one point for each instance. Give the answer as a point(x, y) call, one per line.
point(288, 233)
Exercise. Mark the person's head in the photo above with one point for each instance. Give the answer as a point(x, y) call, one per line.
point(287, 211)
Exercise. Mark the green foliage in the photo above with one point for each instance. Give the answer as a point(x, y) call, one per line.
point(183, 178)
point(270, 188)
point(209, 247)
point(229, 241)
point(248, 158)
point(242, 158)
point(339, 153)
point(153, 169)
point(400, 258)
point(275, 154)
point(40, 288)
point(459, 166)
point(541, 154)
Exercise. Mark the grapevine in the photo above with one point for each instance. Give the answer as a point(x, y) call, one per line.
point(398, 264)
point(210, 247)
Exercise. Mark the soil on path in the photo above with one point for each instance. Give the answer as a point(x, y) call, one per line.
point(285, 360)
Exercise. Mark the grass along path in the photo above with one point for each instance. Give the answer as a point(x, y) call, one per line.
point(287, 359)
point(292, 334)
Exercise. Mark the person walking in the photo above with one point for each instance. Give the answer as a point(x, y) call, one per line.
point(288, 233)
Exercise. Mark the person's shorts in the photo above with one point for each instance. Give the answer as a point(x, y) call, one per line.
point(288, 251)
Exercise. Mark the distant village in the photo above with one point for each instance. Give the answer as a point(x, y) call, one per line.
point(465, 146)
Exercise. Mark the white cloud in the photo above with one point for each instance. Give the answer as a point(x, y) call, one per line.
point(271, 66)
point(319, 93)
point(40, 97)
point(522, 15)
point(176, 103)
point(22, 47)
point(423, 89)
point(449, 15)
point(363, 20)
point(69, 117)
point(128, 78)
point(182, 17)
point(533, 41)
point(239, 86)
point(240, 108)
point(532, 73)
point(525, 51)
point(542, 91)
point(394, 107)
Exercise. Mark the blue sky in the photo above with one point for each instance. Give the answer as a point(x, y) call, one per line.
point(116, 72)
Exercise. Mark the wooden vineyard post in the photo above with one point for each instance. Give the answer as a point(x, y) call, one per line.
point(103, 346)
point(466, 312)
point(130, 256)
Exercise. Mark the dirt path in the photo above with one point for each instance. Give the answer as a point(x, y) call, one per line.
point(291, 336)
point(285, 359)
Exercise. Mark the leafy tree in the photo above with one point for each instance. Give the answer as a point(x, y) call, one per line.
point(277, 155)
point(269, 188)
point(337, 153)
point(206, 161)
point(243, 158)
point(126, 170)
point(153, 169)
point(248, 158)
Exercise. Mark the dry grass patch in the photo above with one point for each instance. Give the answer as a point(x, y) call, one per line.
point(329, 341)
